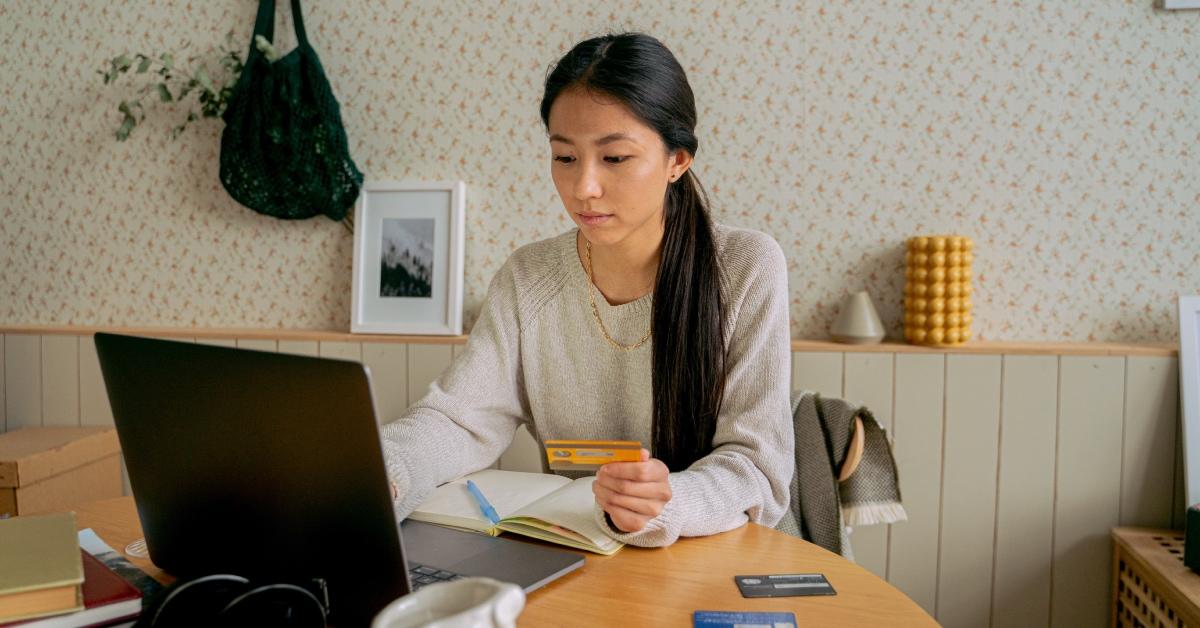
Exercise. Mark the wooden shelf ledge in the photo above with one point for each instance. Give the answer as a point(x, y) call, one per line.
point(806, 346)
point(1002, 348)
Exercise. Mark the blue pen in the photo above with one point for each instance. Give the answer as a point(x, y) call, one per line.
point(487, 509)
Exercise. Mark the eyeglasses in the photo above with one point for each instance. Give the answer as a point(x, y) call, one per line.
point(230, 600)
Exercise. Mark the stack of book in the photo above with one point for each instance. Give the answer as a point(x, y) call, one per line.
point(47, 580)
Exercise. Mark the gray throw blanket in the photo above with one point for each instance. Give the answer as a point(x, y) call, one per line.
point(821, 507)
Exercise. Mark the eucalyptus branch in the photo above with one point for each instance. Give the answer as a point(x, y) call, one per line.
point(164, 82)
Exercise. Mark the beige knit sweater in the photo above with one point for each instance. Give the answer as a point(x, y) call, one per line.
point(536, 357)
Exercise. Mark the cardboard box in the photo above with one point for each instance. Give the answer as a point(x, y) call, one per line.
point(49, 469)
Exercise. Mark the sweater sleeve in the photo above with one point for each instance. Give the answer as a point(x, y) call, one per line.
point(471, 411)
point(748, 473)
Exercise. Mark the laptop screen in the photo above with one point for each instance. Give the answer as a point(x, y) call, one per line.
point(263, 465)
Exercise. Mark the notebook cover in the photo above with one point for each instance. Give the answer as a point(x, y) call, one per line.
point(39, 552)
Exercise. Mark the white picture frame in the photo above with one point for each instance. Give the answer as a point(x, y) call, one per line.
point(408, 258)
point(1179, 4)
point(1189, 393)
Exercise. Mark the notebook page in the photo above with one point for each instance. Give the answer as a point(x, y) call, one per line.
point(507, 491)
point(571, 507)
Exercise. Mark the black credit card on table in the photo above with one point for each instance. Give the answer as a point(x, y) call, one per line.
point(784, 585)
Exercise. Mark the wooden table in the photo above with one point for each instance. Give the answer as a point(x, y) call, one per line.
point(659, 587)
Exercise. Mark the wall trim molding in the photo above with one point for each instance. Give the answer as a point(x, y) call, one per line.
point(805, 346)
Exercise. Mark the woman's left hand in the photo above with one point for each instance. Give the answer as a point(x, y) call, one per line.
point(633, 493)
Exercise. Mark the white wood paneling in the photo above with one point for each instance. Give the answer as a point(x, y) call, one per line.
point(341, 350)
point(60, 381)
point(1025, 493)
point(94, 408)
point(868, 381)
point(523, 454)
point(425, 364)
point(298, 347)
point(3, 405)
point(23, 380)
point(917, 436)
point(1151, 413)
point(970, 440)
point(258, 344)
point(818, 372)
point(1179, 502)
point(1087, 488)
point(217, 342)
point(389, 378)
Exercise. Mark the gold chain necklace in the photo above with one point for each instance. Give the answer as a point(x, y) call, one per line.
point(596, 310)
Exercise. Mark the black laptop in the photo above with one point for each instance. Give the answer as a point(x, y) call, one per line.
point(269, 466)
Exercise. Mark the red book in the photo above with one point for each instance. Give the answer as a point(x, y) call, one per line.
point(107, 599)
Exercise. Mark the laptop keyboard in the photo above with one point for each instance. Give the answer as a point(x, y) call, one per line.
point(422, 575)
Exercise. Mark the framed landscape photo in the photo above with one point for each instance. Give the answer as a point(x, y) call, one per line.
point(408, 258)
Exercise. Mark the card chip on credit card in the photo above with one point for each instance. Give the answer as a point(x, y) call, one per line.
point(589, 455)
point(784, 585)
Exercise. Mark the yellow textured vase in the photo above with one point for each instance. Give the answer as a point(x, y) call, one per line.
point(937, 290)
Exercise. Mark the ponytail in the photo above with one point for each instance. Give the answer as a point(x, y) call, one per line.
point(688, 362)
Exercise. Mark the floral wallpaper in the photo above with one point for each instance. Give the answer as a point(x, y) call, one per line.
point(1060, 135)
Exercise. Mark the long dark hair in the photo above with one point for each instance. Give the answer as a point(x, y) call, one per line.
point(688, 319)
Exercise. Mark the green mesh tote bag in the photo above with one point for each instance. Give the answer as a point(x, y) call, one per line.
point(283, 151)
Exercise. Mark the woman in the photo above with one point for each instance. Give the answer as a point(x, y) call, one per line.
point(646, 323)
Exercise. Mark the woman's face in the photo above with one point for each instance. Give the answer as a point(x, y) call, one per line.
point(611, 169)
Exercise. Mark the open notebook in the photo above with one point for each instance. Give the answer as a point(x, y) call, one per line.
point(547, 507)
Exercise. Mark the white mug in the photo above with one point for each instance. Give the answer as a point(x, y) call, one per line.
point(460, 604)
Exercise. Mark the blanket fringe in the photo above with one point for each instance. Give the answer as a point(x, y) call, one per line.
point(873, 513)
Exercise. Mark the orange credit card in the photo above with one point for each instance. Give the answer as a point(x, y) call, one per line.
point(589, 455)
